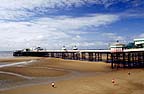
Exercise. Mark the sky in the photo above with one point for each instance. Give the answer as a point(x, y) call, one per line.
point(88, 24)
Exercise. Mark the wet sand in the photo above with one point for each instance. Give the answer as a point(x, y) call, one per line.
point(17, 59)
point(73, 77)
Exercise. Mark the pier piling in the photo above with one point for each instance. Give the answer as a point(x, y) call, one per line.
point(124, 59)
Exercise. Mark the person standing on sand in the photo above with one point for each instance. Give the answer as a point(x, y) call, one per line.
point(113, 81)
point(129, 73)
point(53, 84)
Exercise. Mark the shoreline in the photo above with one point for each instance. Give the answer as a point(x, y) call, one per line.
point(18, 63)
point(71, 77)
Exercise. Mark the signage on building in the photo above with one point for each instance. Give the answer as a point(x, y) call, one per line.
point(116, 50)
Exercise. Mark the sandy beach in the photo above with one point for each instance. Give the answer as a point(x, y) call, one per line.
point(70, 77)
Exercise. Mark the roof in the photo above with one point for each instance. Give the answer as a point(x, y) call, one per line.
point(117, 45)
point(139, 39)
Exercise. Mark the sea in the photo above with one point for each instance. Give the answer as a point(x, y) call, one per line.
point(6, 54)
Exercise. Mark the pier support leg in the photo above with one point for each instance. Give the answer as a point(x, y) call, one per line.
point(112, 66)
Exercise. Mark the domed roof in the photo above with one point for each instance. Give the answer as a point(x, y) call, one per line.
point(75, 48)
point(63, 48)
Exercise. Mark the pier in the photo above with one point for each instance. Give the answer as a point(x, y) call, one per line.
point(127, 58)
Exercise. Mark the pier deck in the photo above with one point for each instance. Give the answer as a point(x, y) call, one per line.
point(130, 58)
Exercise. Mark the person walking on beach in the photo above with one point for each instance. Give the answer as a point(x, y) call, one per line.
point(53, 84)
point(113, 81)
point(129, 73)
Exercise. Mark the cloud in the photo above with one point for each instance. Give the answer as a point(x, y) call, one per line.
point(76, 23)
point(24, 25)
point(22, 9)
point(54, 31)
point(16, 4)
point(14, 15)
point(113, 36)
